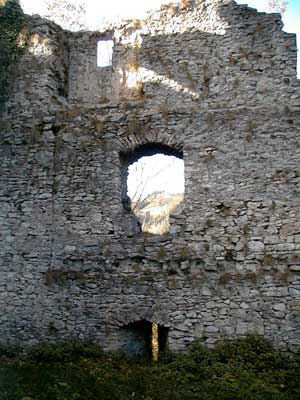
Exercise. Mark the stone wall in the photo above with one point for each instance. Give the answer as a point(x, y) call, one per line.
point(211, 80)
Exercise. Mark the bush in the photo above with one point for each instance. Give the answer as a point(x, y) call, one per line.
point(252, 352)
point(9, 351)
point(244, 369)
point(62, 351)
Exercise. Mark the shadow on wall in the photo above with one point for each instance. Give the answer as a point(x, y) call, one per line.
point(199, 66)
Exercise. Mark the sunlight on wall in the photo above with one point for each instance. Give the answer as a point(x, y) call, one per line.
point(39, 45)
point(131, 79)
point(155, 344)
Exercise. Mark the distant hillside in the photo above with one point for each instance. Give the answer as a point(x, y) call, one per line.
point(153, 212)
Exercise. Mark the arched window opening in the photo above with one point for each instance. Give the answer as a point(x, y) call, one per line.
point(144, 338)
point(153, 185)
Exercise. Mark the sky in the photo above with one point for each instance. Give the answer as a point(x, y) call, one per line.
point(158, 173)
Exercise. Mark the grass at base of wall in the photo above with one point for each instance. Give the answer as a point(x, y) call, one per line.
point(247, 369)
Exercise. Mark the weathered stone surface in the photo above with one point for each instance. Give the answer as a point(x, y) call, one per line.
point(213, 80)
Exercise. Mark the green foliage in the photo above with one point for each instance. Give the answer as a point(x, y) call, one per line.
point(12, 22)
point(253, 352)
point(9, 351)
point(244, 369)
point(9, 382)
point(62, 351)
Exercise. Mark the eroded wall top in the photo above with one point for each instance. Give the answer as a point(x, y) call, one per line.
point(211, 52)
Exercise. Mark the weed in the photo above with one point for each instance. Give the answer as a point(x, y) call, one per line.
point(225, 278)
point(133, 126)
point(232, 60)
point(161, 253)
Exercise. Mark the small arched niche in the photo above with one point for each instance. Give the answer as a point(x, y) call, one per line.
point(144, 338)
point(152, 184)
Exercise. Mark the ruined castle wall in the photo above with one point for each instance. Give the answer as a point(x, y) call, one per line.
point(74, 261)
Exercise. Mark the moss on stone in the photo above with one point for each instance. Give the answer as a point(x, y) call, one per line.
point(12, 43)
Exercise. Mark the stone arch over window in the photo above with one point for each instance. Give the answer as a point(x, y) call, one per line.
point(128, 158)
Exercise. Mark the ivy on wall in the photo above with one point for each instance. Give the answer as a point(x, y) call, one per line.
point(12, 43)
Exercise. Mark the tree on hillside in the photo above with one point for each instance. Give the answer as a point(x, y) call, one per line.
point(69, 14)
point(145, 178)
point(277, 5)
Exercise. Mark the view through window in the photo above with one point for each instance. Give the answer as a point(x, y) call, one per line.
point(156, 187)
